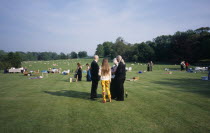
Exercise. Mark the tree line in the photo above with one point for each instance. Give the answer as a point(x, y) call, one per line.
point(14, 59)
point(190, 45)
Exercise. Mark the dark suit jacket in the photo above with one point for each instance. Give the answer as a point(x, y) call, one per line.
point(120, 72)
point(94, 69)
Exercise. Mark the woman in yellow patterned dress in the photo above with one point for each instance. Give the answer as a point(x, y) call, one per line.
point(105, 73)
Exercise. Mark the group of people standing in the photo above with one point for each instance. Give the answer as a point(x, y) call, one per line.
point(149, 66)
point(111, 78)
point(78, 72)
point(184, 65)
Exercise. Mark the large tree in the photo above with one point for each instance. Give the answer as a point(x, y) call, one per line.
point(162, 46)
point(100, 50)
point(63, 56)
point(146, 53)
point(74, 55)
point(14, 59)
point(82, 54)
point(119, 47)
point(107, 48)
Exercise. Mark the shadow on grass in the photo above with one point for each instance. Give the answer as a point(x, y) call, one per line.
point(188, 85)
point(71, 93)
point(172, 68)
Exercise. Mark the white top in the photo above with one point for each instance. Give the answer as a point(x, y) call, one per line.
point(105, 77)
point(114, 68)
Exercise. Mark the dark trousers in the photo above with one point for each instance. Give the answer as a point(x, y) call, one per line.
point(94, 89)
point(182, 67)
point(120, 89)
point(79, 78)
point(79, 75)
point(113, 88)
point(186, 68)
point(150, 68)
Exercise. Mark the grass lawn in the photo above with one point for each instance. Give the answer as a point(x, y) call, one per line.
point(157, 102)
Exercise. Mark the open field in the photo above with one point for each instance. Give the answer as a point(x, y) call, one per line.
point(157, 102)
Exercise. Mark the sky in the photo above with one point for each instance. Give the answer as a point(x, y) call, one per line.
point(80, 25)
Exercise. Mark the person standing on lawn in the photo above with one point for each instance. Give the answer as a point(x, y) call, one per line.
point(79, 72)
point(94, 69)
point(182, 64)
point(88, 77)
point(105, 73)
point(187, 65)
point(120, 78)
point(150, 66)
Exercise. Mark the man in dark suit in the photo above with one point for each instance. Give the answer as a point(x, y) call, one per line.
point(94, 77)
point(120, 79)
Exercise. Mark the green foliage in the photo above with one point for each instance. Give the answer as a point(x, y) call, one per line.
point(10, 60)
point(82, 54)
point(100, 50)
point(146, 53)
point(44, 56)
point(33, 56)
point(63, 56)
point(135, 57)
point(107, 47)
point(202, 30)
point(162, 47)
point(119, 47)
point(73, 55)
point(191, 45)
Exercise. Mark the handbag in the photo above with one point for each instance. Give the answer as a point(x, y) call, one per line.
point(75, 75)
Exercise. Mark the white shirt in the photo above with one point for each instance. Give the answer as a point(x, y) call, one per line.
point(105, 77)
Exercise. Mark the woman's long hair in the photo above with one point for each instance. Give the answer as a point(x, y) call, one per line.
point(105, 68)
point(79, 65)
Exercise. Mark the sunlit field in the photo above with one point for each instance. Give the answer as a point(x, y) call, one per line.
point(157, 102)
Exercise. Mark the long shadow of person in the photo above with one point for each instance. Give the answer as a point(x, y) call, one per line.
point(71, 93)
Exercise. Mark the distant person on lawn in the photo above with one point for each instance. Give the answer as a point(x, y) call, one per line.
point(182, 64)
point(88, 77)
point(150, 65)
point(94, 77)
point(105, 73)
point(79, 72)
point(120, 78)
point(187, 65)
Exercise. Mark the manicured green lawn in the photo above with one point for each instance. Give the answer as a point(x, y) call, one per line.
point(157, 102)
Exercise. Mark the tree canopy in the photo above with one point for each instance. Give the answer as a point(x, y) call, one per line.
point(13, 59)
point(190, 45)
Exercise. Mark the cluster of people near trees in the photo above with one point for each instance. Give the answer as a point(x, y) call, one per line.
point(112, 78)
point(149, 66)
point(184, 65)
